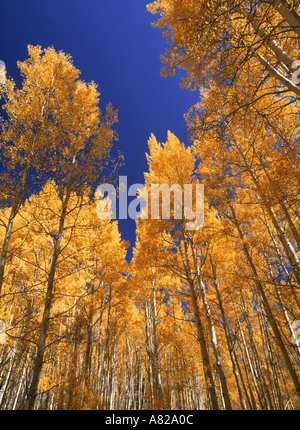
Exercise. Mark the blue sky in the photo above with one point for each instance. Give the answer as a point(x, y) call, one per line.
point(113, 43)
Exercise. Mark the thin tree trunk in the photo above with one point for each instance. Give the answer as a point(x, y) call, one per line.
point(267, 307)
point(41, 346)
point(229, 343)
point(210, 384)
point(214, 341)
point(156, 361)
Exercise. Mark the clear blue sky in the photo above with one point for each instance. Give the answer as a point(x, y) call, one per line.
point(113, 43)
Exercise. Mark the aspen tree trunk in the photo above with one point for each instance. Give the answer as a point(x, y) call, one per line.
point(273, 379)
point(255, 359)
point(247, 359)
point(289, 14)
point(152, 348)
point(129, 391)
point(272, 388)
point(278, 51)
point(140, 384)
point(63, 398)
point(249, 397)
point(89, 343)
point(134, 369)
point(229, 343)
point(99, 350)
point(287, 246)
point(210, 384)
point(244, 357)
point(284, 309)
point(22, 355)
point(41, 346)
point(253, 372)
point(283, 384)
point(287, 275)
point(149, 367)
point(214, 341)
point(19, 388)
point(267, 307)
point(282, 57)
point(156, 361)
point(291, 224)
point(113, 372)
point(106, 356)
point(7, 379)
point(6, 240)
